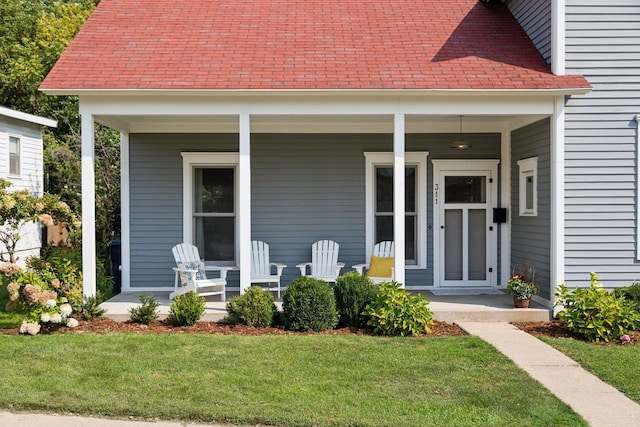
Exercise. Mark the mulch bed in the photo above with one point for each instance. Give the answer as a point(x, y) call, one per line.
point(102, 326)
point(558, 329)
point(553, 329)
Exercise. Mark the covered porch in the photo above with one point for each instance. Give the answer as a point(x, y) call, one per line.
point(450, 309)
point(304, 167)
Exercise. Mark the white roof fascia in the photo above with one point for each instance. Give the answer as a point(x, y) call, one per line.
point(14, 114)
point(307, 92)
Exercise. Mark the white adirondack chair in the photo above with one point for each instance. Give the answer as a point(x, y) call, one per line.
point(185, 253)
point(324, 263)
point(382, 250)
point(261, 267)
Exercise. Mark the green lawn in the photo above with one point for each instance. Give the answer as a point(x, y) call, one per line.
point(616, 365)
point(314, 380)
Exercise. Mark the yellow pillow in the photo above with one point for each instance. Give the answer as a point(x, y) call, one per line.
point(380, 266)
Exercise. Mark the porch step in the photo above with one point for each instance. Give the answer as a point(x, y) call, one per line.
point(450, 309)
point(484, 308)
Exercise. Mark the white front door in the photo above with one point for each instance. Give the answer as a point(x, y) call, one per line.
point(465, 251)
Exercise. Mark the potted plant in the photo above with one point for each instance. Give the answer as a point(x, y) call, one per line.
point(521, 290)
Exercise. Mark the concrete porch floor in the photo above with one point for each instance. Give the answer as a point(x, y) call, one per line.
point(450, 309)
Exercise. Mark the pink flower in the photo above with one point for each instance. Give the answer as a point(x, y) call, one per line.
point(626, 338)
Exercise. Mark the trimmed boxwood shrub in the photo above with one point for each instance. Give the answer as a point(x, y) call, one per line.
point(309, 304)
point(187, 309)
point(631, 293)
point(353, 293)
point(255, 307)
point(394, 311)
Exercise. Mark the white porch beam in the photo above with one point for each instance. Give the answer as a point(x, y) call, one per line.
point(505, 202)
point(88, 206)
point(557, 196)
point(125, 238)
point(399, 197)
point(244, 208)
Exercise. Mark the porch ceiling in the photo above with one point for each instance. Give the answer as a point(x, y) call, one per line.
point(318, 123)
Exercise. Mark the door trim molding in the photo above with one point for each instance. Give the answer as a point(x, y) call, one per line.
point(467, 167)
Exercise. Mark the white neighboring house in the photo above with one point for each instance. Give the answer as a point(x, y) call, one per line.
point(21, 163)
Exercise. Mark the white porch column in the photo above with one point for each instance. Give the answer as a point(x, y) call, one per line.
point(505, 202)
point(125, 242)
point(557, 196)
point(244, 209)
point(88, 207)
point(399, 197)
point(558, 27)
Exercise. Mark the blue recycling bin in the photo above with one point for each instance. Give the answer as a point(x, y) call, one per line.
point(115, 255)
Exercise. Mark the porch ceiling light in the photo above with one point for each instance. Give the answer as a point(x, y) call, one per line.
point(460, 143)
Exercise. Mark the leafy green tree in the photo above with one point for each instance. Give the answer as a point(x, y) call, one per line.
point(33, 35)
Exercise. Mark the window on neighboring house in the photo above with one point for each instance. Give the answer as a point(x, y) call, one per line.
point(528, 187)
point(379, 191)
point(211, 187)
point(14, 155)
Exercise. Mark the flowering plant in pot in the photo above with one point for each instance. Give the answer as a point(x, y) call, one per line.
point(521, 290)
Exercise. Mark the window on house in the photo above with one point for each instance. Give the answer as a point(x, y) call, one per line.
point(528, 186)
point(14, 155)
point(210, 188)
point(379, 190)
point(384, 209)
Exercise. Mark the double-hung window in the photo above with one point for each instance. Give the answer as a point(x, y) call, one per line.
point(14, 155)
point(379, 203)
point(210, 206)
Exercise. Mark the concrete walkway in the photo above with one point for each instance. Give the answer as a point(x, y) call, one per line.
point(597, 402)
point(41, 420)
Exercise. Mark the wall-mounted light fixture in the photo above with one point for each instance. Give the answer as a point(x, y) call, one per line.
point(460, 143)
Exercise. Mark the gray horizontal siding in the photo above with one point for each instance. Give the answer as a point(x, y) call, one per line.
point(535, 18)
point(304, 188)
point(531, 236)
point(602, 43)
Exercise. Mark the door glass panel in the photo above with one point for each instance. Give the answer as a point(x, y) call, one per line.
point(453, 244)
point(215, 238)
point(477, 244)
point(465, 189)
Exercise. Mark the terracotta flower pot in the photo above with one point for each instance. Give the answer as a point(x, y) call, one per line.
point(521, 303)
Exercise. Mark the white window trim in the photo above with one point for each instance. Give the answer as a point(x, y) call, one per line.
point(528, 167)
point(418, 159)
point(19, 138)
point(191, 160)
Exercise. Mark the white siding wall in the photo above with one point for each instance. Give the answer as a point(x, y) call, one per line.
point(31, 173)
point(602, 43)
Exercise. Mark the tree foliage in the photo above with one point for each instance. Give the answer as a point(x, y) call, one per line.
point(33, 35)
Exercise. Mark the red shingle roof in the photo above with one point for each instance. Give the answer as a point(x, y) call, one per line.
point(303, 44)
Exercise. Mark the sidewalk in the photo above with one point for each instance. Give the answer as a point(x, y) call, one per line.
point(597, 402)
point(41, 420)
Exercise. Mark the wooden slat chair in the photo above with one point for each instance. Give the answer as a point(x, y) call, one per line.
point(384, 254)
point(262, 267)
point(190, 273)
point(324, 263)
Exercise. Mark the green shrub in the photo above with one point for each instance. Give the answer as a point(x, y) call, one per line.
point(187, 309)
point(353, 293)
point(255, 307)
point(91, 309)
point(631, 293)
point(147, 312)
point(596, 313)
point(394, 311)
point(309, 304)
